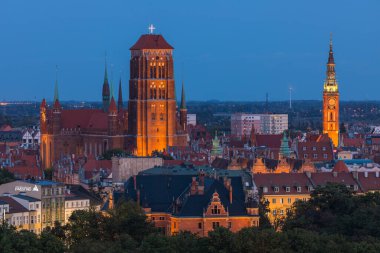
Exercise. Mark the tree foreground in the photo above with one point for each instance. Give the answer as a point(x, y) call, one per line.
point(333, 220)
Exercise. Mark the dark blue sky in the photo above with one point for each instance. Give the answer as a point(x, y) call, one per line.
point(226, 50)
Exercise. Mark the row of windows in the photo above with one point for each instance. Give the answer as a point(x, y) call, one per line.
point(157, 91)
point(53, 191)
point(287, 189)
point(78, 204)
point(313, 148)
point(289, 200)
point(315, 156)
point(21, 220)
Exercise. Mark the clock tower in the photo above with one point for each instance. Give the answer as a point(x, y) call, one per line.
point(330, 110)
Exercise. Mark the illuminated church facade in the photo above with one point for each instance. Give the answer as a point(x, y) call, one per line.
point(151, 122)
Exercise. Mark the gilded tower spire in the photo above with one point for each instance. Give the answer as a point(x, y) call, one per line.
point(331, 85)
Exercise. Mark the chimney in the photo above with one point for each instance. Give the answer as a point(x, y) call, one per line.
point(194, 186)
point(201, 184)
point(377, 174)
point(355, 175)
point(230, 190)
point(365, 173)
point(335, 174)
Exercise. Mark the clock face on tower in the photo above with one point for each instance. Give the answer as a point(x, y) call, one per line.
point(331, 103)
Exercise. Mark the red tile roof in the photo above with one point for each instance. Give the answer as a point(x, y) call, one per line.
point(92, 164)
point(340, 166)
point(151, 41)
point(321, 148)
point(85, 119)
point(369, 181)
point(269, 140)
point(333, 177)
point(283, 180)
point(6, 128)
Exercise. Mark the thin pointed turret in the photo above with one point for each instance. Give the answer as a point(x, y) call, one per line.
point(331, 53)
point(183, 110)
point(106, 91)
point(56, 95)
point(183, 101)
point(120, 98)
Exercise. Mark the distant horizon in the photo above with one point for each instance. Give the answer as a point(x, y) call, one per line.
point(190, 101)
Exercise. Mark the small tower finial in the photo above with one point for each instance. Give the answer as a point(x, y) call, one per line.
point(56, 95)
point(183, 101)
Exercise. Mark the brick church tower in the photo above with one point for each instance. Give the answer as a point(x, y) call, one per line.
point(331, 101)
point(152, 116)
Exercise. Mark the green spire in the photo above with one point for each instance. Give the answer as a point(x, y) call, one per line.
point(183, 101)
point(56, 96)
point(284, 148)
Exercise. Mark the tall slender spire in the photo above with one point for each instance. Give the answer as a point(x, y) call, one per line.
point(120, 98)
point(56, 95)
point(183, 101)
point(106, 89)
point(331, 53)
point(331, 84)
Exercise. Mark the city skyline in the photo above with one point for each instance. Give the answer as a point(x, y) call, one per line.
point(249, 42)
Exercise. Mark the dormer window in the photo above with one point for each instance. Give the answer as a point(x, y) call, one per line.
point(356, 187)
point(299, 188)
point(276, 189)
point(314, 148)
point(287, 188)
point(265, 189)
point(304, 148)
point(215, 210)
point(310, 188)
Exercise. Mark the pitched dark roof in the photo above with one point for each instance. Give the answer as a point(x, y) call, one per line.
point(10, 136)
point(14, 206)
point(159, 192)
point(196, 204)
point(151, 41)
point(78, 192)
point(27, 198)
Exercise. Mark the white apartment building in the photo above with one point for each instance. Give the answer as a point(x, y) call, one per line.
point(242, 123)
point(191, 119)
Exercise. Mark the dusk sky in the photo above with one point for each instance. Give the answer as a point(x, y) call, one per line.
point(225, 50)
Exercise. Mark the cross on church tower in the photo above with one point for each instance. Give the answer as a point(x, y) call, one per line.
point(151, 28)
